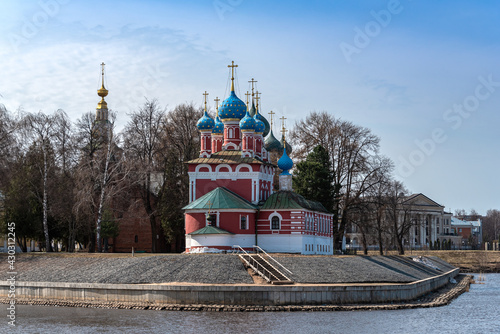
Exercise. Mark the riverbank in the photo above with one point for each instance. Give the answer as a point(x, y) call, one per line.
point(469, 261)
point(440, 297)
point(222, 281)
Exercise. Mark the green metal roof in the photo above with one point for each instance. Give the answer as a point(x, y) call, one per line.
point(210, 230)
point(227, 157)
point(220, 198)
point(291, 200)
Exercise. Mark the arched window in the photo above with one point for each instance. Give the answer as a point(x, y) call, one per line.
point(275, 223)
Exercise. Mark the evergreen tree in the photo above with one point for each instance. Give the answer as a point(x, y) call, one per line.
point(314, 177)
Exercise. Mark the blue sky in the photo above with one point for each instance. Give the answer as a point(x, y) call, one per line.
point(422, 75)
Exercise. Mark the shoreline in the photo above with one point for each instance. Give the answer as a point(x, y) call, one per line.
point(440, 297)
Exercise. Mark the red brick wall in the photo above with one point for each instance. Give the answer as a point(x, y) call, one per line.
point(135, 222)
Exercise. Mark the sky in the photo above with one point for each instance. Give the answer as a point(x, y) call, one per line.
point(424, 76)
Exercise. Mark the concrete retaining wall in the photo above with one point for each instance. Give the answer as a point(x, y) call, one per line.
point(220, 294)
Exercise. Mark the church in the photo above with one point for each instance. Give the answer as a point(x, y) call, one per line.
point(235, 198)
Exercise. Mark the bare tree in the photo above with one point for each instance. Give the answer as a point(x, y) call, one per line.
point(379, 202)
point(102, 174)
point(8, 127)
point(40, 133)
point(491, 225)
point(400, 214)
point(143, 142)
point(182, 142)
point(354, 154)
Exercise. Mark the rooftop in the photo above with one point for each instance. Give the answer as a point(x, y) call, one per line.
point(220, 198)
point(227, 157)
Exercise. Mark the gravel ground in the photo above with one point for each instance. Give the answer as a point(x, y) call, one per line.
point(196, 268)
point(356, 269)
point(215, 268)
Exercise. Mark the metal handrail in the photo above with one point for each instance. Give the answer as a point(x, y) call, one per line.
point(255, 265)
point(276, 269)
point(263, 251)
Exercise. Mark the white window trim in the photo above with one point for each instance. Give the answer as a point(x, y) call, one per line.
point(275, 214)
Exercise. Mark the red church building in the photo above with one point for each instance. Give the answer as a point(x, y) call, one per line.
point(232, 196)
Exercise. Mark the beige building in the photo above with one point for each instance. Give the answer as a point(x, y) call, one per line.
point(430, 225)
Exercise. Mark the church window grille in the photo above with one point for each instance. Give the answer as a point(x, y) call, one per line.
point(275, 223)
point(243, 223)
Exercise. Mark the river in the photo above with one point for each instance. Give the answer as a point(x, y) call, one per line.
point(477, 311)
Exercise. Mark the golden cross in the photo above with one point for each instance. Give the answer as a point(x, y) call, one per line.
point(232, 69)
point(247, 94)
point(283, 124)
point(252, 82)
point(217, 103)
point(205, 94)
point(283, 130)
point(271, 113)
point(257, 98)
point(102, 72)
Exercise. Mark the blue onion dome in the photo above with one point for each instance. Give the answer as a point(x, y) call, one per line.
point(219, 127)
point(288, 146)
point(266, 123)
point(232, 108)
point(247, 122)
point(271, 143)
point(206, 122)
point(285, 163)
point(259, 125)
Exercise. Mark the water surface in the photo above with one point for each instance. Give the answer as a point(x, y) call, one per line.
point(477, 311)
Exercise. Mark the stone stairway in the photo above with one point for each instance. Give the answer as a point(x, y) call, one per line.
point(262, 265)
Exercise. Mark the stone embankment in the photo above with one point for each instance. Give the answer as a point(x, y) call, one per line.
point(440, 297)
point(220, 282)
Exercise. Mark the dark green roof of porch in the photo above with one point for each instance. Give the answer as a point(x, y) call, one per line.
point(291, 200)
point(220, 198)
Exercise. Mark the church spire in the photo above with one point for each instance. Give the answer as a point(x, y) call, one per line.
point(232, 74)
point(102, 106)
point(257, 98)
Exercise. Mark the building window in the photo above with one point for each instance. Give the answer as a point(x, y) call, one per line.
point(275, 223)
point(136, 239)
point(437, 229)
point(243, 223)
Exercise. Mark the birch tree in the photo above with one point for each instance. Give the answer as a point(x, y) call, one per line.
point(102, 174)
point(39, 132)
